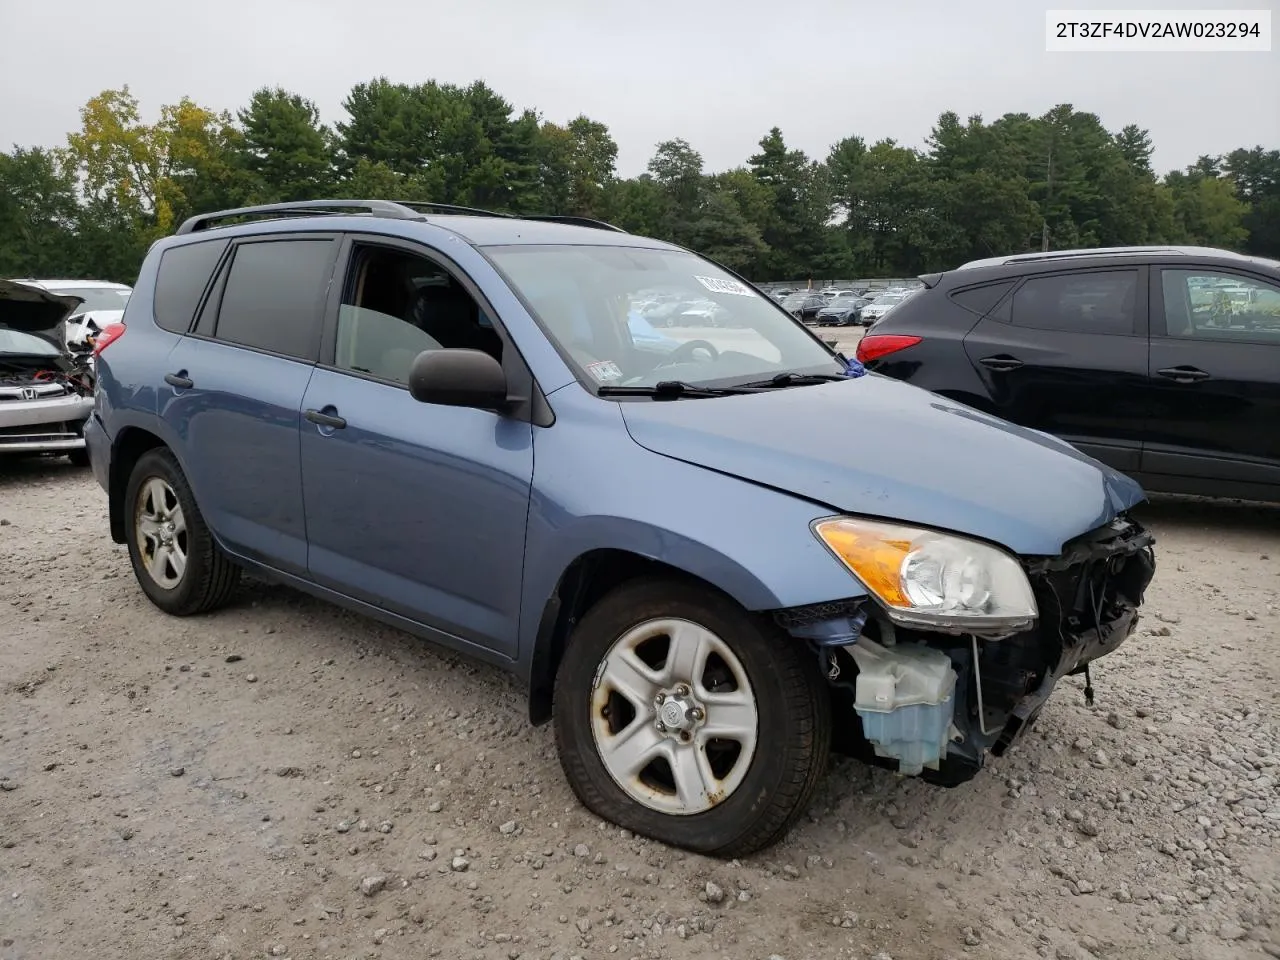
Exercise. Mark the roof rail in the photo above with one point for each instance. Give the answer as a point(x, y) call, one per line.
point(396, 209)
point(427, 206)
point(303, 208)
point(1174, 250)
point(577, 222)
point(1095, 252)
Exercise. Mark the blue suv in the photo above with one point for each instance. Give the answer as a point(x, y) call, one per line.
point(711, 564)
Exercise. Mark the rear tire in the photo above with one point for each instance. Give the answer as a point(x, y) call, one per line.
point(178, 565)
point(79, 458)
point(748, 729)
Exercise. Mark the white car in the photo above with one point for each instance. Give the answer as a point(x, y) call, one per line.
point(102, 302)
point(881, 305)
point(46, 389)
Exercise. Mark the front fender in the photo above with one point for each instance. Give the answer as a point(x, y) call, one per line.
point(595, 488)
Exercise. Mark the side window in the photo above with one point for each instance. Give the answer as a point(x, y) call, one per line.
point(1203, 305)
point(397, 304)
point(981, 299)
point(1095, 302)
point(183, 274)
point(273, 298)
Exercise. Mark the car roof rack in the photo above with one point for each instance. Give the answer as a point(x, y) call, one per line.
point(576, 221)
point(303, 208)
point(396, 209)
point(453, 208)
point(1044, 256)
point(427, 206)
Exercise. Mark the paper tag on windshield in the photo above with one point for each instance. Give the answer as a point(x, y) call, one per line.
point(604, 371)
point(717, 285)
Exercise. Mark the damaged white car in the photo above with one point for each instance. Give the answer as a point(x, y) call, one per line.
point(46, 386)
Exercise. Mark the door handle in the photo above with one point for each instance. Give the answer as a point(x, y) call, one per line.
point(1001, 364)
point(1183, 374)
point(325, 419)
point(179, 380)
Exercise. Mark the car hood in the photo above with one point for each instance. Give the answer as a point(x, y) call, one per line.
point(35, 310)
point(879, 447)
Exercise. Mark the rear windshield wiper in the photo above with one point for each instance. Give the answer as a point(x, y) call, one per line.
point(672, 390)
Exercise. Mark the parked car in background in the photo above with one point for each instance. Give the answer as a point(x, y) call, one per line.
point(698, 587)
point(804, 306)
point(93, 294)
point(101, 302)
point(842, 311)
point(881, 305)
point(83, 328)
point(46, 388)
point(1163, 362)
point(645, 337)
point(702, 312)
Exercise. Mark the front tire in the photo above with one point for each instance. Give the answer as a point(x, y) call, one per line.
point(682, 717)
point(178, 565)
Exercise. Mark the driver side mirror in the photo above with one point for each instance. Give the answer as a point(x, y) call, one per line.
point(458, 377)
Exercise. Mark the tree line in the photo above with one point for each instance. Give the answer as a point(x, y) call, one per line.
point(976, 189)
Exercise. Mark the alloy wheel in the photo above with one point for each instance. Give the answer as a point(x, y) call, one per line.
point(161, 533)
point(674, 717)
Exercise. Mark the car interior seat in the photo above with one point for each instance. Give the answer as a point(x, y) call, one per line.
point(448, 314)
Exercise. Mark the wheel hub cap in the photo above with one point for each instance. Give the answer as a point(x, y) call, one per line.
point(161, 533)
point(678, 736)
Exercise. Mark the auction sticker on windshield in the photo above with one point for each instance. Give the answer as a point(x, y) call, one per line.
point(717, 285)
point(604, 371)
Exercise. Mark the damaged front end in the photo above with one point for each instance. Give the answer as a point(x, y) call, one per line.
point(46, 386)
point(934, 704)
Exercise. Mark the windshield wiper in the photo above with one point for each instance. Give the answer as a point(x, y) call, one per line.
point(672, 390)
point(792, 379)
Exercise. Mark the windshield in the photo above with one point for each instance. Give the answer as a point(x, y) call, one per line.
point(15, 341)
point(96, 298)
point(697, 324)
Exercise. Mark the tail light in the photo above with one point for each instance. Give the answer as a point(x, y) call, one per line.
point(109, 335)
point(877, 345)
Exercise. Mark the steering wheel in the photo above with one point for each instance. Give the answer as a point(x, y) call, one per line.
point(684, 352)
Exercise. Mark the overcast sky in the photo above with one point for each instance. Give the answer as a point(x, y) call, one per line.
point(718, 74)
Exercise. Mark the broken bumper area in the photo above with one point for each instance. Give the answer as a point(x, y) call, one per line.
point(935, 705)
point(33, 423)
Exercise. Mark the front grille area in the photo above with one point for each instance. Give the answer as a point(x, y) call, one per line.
point(39, 390)
point(1089, 595)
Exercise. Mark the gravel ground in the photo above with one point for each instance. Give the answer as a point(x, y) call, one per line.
point(285, 779)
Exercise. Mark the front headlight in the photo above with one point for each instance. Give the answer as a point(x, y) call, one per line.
point(934, 580)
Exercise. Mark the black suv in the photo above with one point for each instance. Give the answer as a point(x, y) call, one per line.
point(1163, 362)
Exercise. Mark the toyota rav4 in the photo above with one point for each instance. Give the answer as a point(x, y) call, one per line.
point(709, 564)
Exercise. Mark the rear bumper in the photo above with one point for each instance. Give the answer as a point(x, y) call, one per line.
point(98, 445)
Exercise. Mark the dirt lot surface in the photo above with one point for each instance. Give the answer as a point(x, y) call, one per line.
point(283, 779)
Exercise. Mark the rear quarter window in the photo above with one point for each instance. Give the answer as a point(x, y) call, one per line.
point(181, 280)
point(982, 299)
